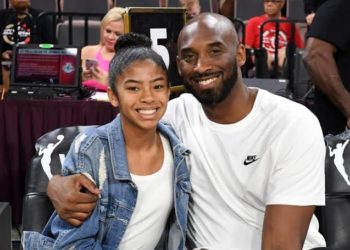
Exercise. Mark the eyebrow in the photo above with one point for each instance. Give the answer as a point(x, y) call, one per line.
point(213, 44)
point(160, 78)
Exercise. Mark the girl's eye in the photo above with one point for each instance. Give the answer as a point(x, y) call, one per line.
point(132, 89)
point(159, 86)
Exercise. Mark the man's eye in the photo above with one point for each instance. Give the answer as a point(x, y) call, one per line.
point(215, 51)
point(188, 57)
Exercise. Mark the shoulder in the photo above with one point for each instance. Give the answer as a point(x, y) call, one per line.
point(285, 111)
point(255, 20)
point(5, 13)
point(89, 51)
point(34, 12)
point(91, 137)
point(182, 104)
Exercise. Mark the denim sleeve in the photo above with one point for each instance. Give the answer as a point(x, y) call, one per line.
point(59, 234)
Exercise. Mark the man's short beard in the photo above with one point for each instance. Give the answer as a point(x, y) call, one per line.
point(211, 97)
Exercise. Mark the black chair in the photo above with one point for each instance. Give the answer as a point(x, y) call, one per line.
point(50, 151)
point(83, 6)
point(334, 218)
point(45, 5)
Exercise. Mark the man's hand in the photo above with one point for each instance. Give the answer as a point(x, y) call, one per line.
point(7, 55)
point(73, 205)
point(309, 18)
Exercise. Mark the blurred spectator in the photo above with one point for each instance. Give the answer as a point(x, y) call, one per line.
point(192, 7)
point(310, 7)
point(96, 58)
point(272, 9)
point(30, 29)
point(327, 58)
point(224, 7)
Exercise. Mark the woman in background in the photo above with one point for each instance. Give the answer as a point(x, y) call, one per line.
point(96, 58)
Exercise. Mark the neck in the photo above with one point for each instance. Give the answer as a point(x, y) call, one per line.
point(235, 107)
point(138, 139)
point(277, 16)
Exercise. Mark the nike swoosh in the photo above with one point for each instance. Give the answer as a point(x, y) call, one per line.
point(247, 162)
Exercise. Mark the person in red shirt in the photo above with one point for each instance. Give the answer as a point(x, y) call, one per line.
point(272, 9)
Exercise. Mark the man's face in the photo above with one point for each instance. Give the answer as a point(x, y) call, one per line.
point(273, 7)
point(207, 60)
point(20, 5)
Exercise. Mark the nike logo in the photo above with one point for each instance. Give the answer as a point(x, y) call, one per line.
point(250, 159)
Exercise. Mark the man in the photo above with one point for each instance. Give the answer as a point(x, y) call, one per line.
point(29, 30)
point(272, 11)
point(255, 178)
point(327, 58)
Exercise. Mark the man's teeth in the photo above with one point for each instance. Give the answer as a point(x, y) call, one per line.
point(147, 111)
point(207, 81)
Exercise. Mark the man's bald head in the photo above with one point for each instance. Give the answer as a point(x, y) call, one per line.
point(210, 22)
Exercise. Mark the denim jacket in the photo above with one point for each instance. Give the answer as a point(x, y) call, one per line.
point(104, 229)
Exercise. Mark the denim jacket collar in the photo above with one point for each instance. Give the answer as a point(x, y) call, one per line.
point(117, 143)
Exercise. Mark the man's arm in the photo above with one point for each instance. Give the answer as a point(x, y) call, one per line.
point(320, 63)
point(70, 203)
point(285, 227)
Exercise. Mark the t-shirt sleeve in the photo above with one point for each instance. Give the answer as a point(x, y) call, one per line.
point(329, 23)
point(299, 41)
point(298, 176)
point(250, 33)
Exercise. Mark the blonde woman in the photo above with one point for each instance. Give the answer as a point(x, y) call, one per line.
point(96, 58)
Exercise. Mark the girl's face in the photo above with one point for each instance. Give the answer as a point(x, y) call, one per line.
point(142, 94)
point(110, 34)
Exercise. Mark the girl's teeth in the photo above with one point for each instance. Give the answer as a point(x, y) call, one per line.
point(147, 111)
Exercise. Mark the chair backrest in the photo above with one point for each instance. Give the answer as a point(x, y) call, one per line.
point(295, 9)
point(51, 149)
point(335, 217)
point(245, 9)
point(2, 4)
point(78, 35)
point(84, 6)
point(137, 3)
point(44, 5)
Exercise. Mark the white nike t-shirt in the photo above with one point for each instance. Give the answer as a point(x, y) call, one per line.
point(275, 155)
point(153, 205)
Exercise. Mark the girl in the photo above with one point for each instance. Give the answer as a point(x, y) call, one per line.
point(137, 162)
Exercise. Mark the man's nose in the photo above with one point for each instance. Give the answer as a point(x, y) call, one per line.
point(203, 64)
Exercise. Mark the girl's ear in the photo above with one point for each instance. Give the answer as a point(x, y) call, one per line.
point(113, 98)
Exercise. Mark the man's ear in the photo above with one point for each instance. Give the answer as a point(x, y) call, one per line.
point(240, 55)
point(113, 98)
point(178, 64)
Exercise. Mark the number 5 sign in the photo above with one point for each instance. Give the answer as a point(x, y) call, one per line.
point(163, 26)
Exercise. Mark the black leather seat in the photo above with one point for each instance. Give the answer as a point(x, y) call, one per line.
point(50, 151)
point(334, 218)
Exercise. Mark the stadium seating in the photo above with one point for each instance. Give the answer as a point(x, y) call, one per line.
point(44, 5)
point(137, 3)
point(37, 207)
point(84, 6)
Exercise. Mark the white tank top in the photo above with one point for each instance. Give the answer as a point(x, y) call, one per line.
point(153, 205)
